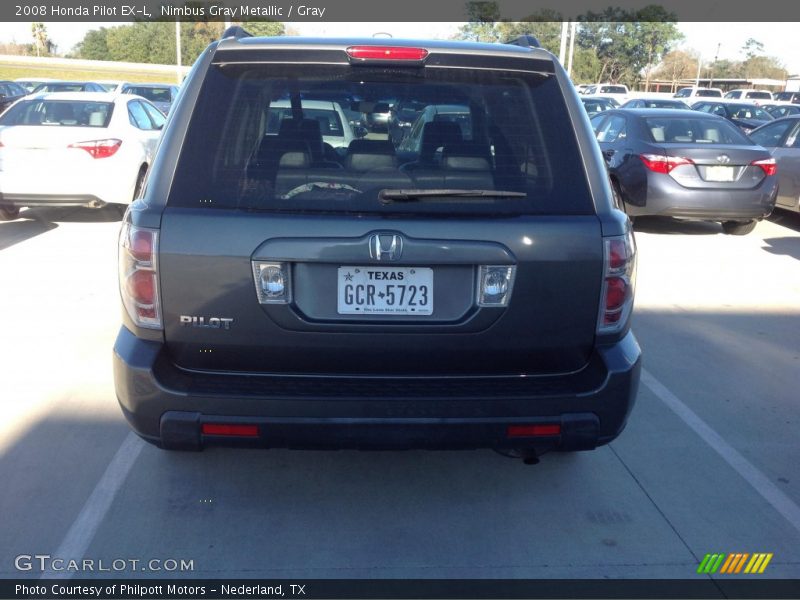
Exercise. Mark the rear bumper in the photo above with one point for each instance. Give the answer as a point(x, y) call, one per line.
point(665, 197)
point(32, 200)
point(168, 406)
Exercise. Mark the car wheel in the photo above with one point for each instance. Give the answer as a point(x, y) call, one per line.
point(738, 227)
point(137, 189)
point(8, 212)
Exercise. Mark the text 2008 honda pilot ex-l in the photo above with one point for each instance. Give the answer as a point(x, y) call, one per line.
point(468, 286)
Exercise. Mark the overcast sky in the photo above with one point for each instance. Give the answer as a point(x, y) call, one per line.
point(779, 39)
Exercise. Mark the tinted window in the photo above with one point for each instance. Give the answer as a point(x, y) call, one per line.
point(156, 116)
point(613, 89)
point(770, 135)
point(684, 93)
point(595, 106)
point(612, 129)
point(521, 141)
point(329, 122)
point(787, 96)
point(58, 112)
point(759, 95)
point(746, 111)
point(733, 95)
point(154, 94)
point(708, 94)
point(61, 87)
point(694, 130)
point(138, 117)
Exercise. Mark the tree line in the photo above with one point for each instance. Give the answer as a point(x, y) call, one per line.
point(632, 47)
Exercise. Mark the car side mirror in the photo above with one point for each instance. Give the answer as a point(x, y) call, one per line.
point(359, 131)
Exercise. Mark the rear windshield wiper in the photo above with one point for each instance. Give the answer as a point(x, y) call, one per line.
point(412, 195)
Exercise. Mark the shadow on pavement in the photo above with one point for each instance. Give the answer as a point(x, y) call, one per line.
point(670, 226)
point(76, 214)
point(15, 232)
point(783, 246)
point(790, 220)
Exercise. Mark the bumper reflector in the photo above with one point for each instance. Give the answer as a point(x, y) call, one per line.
point(533, 430)
point(234, 430)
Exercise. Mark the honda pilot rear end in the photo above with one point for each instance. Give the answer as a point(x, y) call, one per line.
point(472, 290)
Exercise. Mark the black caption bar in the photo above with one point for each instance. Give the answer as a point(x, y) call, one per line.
point(380, 10)
point(394, 589)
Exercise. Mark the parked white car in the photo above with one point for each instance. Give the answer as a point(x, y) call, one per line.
point(333, 124)
point(617, 91)
point(757, 97)
point(75, 149)
point(690, 94)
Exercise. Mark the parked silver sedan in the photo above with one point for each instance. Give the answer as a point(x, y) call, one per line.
point(782, 139)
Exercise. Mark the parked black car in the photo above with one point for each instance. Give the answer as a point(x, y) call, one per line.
point(10, 92)
point(745, 116)
point(687, 164)
point(474, 294)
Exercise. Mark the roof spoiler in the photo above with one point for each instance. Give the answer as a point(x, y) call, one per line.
point(524, 41)
point(235, 31)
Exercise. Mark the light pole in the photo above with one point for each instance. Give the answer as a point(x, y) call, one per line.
point(178, 50)
point(713, 66)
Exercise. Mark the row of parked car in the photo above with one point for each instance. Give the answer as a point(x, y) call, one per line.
point(716, 160)
point(77, 143)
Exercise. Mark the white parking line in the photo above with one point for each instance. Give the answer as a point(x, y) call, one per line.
point(83, 530)
point(760, 482)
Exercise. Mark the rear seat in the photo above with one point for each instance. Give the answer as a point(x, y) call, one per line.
point(371, 164)
point(462, 166)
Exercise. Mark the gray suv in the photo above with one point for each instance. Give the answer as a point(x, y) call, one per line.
point(472, 292)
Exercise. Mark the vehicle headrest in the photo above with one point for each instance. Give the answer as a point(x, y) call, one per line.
point(365, 155)
point(437, 134)
point(294, 159)
point(467, 157)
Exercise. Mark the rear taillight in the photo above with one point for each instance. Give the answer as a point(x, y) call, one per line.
point(138, 275)
point(663, 164)
point(769, 166)
point(99, 148)
point(619, 281)
point(386, 53)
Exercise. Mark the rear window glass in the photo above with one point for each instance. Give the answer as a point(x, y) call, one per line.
point(254, 143)
point(787, 96)
point(330, 124)
point(151, 93)
point(692, 130)
point(745, 111)
point(759, 95)
point(61, 87)
point(613, 89)
point(68, 113)
point(708, 94)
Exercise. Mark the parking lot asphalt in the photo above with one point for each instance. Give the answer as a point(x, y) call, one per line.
point(708, 462)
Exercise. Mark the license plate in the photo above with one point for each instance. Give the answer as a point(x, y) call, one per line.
point(719, 173)
point(385, 291)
